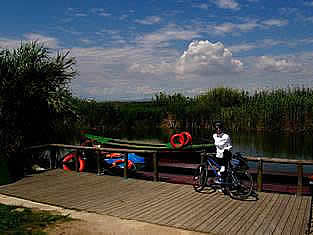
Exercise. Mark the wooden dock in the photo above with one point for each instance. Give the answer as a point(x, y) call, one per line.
point(167, 204)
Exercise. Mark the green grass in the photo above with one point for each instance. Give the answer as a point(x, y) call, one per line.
point(19, 220)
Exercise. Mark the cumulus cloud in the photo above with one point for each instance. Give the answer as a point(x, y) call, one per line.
point(272, 64)
point(206, 58)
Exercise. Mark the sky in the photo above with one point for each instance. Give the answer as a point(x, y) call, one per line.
point(135, 49)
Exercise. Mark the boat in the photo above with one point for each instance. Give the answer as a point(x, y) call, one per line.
point(118, 143)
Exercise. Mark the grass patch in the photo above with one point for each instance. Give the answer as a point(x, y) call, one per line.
point(19, 220)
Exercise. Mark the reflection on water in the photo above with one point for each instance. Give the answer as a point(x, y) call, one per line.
point(274, 145)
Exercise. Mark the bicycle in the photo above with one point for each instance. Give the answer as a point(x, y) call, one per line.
point(238, 181)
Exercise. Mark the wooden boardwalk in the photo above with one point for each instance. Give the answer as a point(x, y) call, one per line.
point(166, 204)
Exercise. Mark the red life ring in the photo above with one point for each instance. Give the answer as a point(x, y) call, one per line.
point(181, 141)
point(184, 139)
point(71, 155)
point(188, 139)
point(113, 155)
point(129, 165)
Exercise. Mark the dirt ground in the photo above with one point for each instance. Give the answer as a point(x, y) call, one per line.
point(95, 224)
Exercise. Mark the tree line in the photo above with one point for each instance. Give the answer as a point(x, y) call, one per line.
point(281, 110)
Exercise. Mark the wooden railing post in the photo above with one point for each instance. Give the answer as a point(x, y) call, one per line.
point(53, 157)
point(77, 161)
point(260, 176)
point(126, 165)
point(202, 159)
point(155, 167)
point(300, 178)
point(98, 153)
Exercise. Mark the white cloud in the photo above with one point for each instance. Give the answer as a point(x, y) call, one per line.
point(242, 47)
point(201, 6)
point(227, 4)
point(275, 22)
point(100, 12)
point(47, 41)
point(172, 32)
point(9, 43)
point(246, 26)
point(206, 58)
point(272, 64)
point(149, 20)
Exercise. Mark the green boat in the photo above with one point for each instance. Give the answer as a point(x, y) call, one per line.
point(140, 145)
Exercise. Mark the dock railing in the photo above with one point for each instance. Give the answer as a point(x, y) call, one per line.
point(155, 159)
point(260, 166)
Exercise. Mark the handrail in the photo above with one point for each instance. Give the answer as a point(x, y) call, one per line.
point(155, 153)
point(280, 160)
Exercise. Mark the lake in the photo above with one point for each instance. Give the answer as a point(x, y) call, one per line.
point(250, 143)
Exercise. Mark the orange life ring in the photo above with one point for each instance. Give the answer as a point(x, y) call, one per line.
point(129, 165)
point(71, 155)
point(181, 141)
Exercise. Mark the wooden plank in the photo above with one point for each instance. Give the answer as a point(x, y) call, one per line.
point(292, 217)
point(282, 222)
point(163, 215)
point(242, 226)
point(301, 220)
point(135, 200)
point(198, 203)
point(154, 202)
point(306, 220)
point(236, 215)
point(269, 223)
point(300, 216)
point(261, 217)
point(156, 192)
point(161, 205)
point(207, 201)
point(209, 221)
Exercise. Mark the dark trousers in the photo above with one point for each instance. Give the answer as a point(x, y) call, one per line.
point(224, 162)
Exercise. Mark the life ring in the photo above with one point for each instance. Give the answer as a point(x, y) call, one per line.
point(113, 155)
point(130, 164)
point(184, 139)
point(71, 155)
point(188, 139)
point(180, 140)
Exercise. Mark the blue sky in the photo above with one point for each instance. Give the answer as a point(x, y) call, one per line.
point(130, 50)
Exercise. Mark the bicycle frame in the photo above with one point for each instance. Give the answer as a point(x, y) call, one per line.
point(213, 165)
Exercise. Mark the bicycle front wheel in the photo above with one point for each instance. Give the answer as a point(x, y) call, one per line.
point(200, 178)
point(240, 185)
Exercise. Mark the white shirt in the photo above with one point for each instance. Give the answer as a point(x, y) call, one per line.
point(222, 142)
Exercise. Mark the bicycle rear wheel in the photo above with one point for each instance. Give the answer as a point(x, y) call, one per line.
point(200, 178)
point(241, 185)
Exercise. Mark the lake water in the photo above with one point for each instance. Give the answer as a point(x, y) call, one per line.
point(250, 143)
